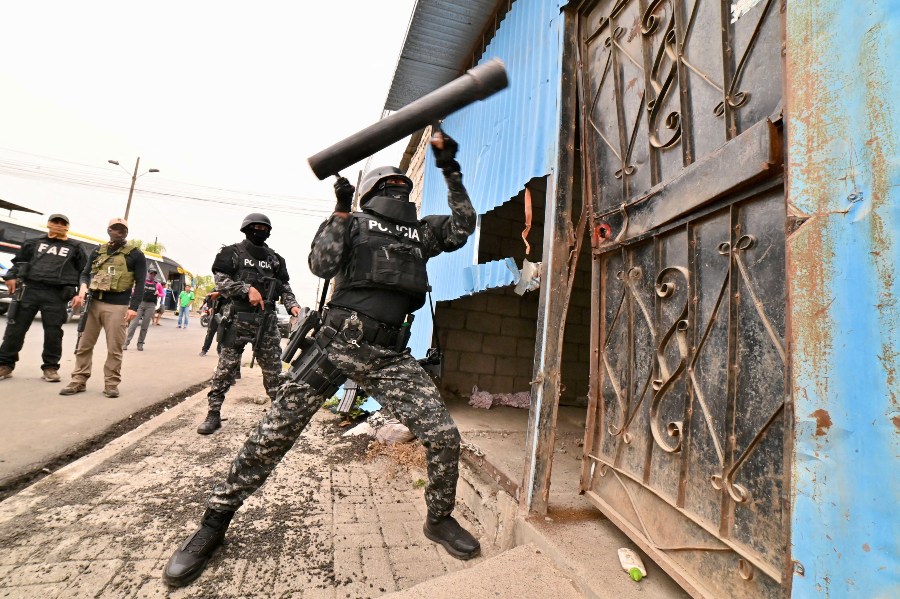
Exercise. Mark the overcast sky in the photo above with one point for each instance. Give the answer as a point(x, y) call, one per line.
point(227, 99)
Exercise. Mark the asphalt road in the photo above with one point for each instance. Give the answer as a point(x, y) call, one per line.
point(37, 424)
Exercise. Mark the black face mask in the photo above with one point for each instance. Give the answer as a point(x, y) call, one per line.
point(256, 237)
point(397, 192)
point(114, 245)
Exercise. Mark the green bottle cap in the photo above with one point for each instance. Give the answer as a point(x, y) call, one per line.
point(635, 574)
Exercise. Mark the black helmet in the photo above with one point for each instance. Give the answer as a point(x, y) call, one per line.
point(255, 219)
point(376, 177)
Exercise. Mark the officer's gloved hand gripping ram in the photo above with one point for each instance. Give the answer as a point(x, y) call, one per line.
point(377, 258)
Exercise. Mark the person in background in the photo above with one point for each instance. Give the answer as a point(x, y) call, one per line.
point(161, 305)
point(110, 274)
point(45, 273)
point(151, 293)
point(215, 305)
point(185, 301)
point(251, 276)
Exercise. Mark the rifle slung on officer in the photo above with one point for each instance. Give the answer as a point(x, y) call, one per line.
point(18, 294)
point(308, 321)
point(272, 288)
point(82, 320)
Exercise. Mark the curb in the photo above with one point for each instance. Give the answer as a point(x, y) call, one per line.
point(84, 464)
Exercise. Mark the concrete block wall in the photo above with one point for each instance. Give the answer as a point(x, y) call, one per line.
point(416, 170)
point(489, 339)
point(502, 227)
point(577, 338)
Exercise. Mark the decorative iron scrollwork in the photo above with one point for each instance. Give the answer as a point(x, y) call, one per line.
point(634, 275)
point(662, 85)
point(678, 330)
point(649, 21)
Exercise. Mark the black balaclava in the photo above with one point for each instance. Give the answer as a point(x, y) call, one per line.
point(393, 191)
point(257, 237)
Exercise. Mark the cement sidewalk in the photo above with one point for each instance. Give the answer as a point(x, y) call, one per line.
point(327, 524)
point(38, 427)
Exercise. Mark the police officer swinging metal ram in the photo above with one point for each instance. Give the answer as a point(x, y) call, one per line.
point(377, 259)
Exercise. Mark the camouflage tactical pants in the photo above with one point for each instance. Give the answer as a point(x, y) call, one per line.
point(268, 354)
point(394, 379)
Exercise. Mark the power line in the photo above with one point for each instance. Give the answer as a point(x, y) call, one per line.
point(105, 170)
point(286, 204)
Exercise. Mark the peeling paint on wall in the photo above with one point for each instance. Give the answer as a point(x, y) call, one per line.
point(741, 7)
point(844, 275)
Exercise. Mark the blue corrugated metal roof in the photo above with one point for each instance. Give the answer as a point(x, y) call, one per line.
point(505, 141)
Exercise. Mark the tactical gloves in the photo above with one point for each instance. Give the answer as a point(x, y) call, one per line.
point(444, 158)
point(343, 191)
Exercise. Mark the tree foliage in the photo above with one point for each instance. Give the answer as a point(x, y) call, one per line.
point(203, 284)
point(149, 246)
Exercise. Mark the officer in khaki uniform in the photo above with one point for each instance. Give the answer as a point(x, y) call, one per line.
point(109, 277)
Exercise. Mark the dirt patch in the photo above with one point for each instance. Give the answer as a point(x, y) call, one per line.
point(350, 448)
point(16, 484)
point(403, 456)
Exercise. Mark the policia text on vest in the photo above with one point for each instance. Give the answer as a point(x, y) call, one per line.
point(377, 260)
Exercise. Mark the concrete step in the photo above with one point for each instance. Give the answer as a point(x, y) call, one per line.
point(519, 573)
point(584, 545)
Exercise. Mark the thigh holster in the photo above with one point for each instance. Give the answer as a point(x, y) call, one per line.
point(313, 366)
point(237, 335)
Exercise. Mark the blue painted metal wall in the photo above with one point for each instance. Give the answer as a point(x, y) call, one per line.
point(844, 272)
point(505, 141)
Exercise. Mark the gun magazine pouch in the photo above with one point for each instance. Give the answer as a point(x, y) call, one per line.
point(237, 337)
point(313, 366)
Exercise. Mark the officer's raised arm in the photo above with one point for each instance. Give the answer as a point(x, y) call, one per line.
point(331, 244)
point(449, 232)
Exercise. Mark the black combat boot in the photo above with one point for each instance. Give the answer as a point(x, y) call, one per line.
point(189, 560)
point(211, 424)
point(456, 540)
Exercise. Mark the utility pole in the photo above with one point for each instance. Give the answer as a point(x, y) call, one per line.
point(134, 179)
point(131, 191)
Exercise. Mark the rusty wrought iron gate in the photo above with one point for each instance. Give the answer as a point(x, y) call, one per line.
point(689, 415)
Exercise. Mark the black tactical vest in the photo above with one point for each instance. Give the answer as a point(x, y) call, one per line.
point(386, 255)
point(53, 262)
point(253, 269)
point(149, 291)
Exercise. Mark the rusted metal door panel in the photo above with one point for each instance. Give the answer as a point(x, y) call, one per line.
point(683, 163)
point(689, 449)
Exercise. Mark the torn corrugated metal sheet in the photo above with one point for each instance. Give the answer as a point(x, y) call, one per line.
point(844, 269)
point(482, 277)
